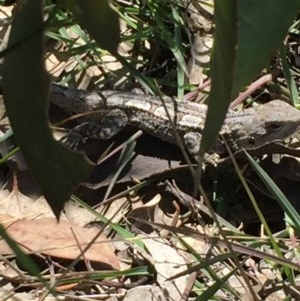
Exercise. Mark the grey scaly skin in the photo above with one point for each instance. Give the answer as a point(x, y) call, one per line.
point(251, 128)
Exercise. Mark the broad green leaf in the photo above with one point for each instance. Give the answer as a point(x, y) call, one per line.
point(263, 25)
point(248, 32)
point(98, 19)
point(25, 89)
point(222, 69)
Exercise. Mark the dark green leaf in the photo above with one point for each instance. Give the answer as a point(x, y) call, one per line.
point(25, 89)
point(262, 27)
point(222, 67)
point(241, 52)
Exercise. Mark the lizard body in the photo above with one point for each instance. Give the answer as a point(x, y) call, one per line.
point(251, 128)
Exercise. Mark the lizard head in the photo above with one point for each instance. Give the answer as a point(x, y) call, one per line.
point(271, 122)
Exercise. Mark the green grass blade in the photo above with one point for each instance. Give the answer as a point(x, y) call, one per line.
point(127, 235)
point(288, 76)
point(277, 193)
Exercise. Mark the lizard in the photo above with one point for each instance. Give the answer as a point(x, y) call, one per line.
point(251, 128)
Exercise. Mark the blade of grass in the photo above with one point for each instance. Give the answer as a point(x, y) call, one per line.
point(126, 155)
point(288, 76)
point(211, 291)
point(276, 192)
point(279, 196)
point(25, 259)
point(127, 235)
point(238, 248)
point(178, 40)
point(98, 275)
point(9, 155)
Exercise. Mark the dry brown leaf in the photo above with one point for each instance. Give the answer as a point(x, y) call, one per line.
point(168, 263)
point(19, 205)
point(57, 239)
point(145, 293)
point(145, 212)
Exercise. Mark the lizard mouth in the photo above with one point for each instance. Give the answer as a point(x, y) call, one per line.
point(274, 132)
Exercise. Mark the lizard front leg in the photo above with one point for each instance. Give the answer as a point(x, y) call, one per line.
point(109, 126)
point(192, 142)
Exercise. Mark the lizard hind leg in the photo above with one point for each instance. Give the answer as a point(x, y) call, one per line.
point(109, 126)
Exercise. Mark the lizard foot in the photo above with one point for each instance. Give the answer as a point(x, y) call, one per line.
point(109, 126)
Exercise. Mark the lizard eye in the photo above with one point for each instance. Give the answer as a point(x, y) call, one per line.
point(275, 126)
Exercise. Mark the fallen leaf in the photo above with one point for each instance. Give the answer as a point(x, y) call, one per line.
point(62, 240)
point(145, 293)
point(168, 262)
